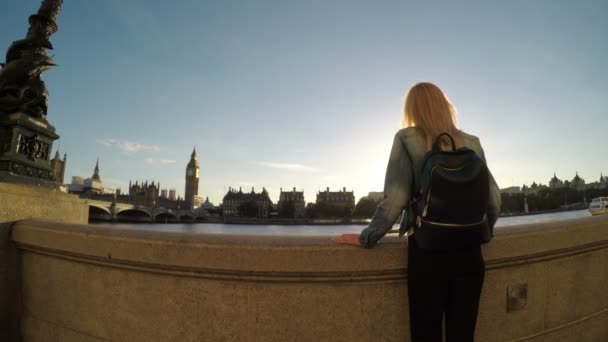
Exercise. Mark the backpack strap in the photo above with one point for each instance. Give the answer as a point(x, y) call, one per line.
point(437, 144)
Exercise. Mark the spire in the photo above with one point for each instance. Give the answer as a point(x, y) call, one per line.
point(193, 159)
point(57, 156)
point(96, 171)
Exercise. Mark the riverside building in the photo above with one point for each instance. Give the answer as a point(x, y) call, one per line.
point(234, 199)
point(341, 198)
point(295, 197)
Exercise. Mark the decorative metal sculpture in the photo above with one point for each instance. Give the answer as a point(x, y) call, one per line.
point(26, 136)
point(21, 89)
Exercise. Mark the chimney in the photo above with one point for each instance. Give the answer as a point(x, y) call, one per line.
point(344, 189)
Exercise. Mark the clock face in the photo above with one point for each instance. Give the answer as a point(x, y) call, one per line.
point(189, 173)
point(197, 172)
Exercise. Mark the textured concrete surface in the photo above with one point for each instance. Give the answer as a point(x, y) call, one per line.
point(83, 283)
point(20, 202)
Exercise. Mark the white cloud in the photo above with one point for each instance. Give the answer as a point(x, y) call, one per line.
point(159, 161)
point(128, 146)
point(287, 166)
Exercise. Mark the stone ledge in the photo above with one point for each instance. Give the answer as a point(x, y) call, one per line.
point(318, 255)
point(129, 284)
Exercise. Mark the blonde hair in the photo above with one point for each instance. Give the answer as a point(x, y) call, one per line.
point(427, 108)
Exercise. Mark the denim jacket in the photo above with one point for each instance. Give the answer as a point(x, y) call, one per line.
point(402, 180)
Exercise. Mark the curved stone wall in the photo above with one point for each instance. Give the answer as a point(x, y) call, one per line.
point(544, 282)
point(26, 202)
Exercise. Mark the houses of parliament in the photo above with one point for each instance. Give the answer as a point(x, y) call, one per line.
point(146, 194)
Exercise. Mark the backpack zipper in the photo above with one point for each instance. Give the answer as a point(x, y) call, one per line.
point(457, 224)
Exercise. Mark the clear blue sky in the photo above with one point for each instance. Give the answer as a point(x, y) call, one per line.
point(309, 93)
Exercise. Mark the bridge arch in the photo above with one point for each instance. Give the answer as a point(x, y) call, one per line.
point(134, 214)
point(165, 216)
point(99, 212)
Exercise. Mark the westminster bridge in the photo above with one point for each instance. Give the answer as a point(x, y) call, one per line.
point(100, 210)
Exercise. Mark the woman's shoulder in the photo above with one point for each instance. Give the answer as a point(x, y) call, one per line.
point(413, 139)
point(409, 132)
point(472, 142)
point(416, 133)
point(469, 138)
point(415, 136)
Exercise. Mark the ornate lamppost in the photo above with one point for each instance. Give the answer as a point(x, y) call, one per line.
point(26, 137)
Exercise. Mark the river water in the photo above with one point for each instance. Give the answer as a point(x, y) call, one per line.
point(317, 230)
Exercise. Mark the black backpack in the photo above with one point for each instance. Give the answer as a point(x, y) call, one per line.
point(451, 206)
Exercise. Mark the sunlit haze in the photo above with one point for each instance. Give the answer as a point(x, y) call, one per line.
point(309, 94)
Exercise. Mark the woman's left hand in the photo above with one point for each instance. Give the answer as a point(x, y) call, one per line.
point(348, 239)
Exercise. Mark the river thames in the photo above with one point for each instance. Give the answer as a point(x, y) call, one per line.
point(321, 230)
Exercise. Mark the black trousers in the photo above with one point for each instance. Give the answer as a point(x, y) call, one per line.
point(444, 284)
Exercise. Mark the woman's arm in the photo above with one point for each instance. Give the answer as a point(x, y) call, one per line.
point(397, 191)
point(494, 198)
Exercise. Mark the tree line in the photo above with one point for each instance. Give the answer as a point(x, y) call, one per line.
point(543, 198)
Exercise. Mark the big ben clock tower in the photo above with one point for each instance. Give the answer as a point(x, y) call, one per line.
point(192, 176)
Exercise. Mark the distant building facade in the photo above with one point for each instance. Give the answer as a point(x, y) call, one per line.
point(601, 184)
point(58, 166)
point(192, 178)
point(91, 185)
point(295, 197)
point(577, 183)
point(142, 194)
point(198, 201)
point(233, 200)
point(511, 190)
point(376, 195)
point(555, 183)
point(207, 205)
point(341, 198)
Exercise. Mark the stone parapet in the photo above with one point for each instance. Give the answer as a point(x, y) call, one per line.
point(26, 202)
point(544, 282)
point(23, 202)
